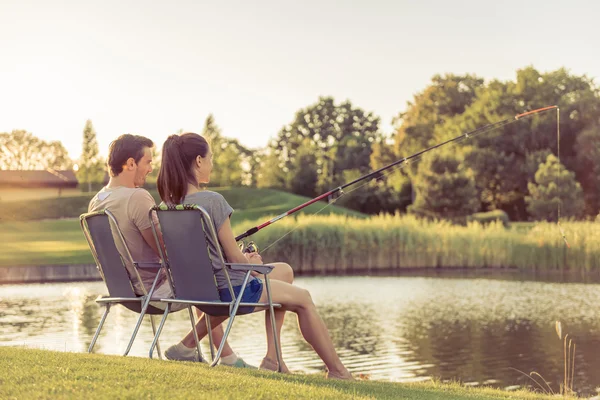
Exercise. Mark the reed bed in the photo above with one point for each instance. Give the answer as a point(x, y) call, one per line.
point(340, 244)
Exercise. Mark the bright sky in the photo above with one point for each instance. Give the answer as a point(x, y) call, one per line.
point(153, 68)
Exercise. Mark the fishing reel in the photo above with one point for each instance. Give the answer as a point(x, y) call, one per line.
point(250, 248)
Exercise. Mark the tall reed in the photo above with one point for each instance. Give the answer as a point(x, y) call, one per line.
point(338, 244)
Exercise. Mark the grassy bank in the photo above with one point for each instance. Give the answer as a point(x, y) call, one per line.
point(249, 203)
point(43, 374)
point(29, 240)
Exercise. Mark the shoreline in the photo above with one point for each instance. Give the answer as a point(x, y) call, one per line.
point(24, 274)
point(61, 273)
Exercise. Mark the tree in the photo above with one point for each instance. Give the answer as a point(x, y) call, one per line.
point(305, 180)
point(156, 162)
point(386, 192)
point(587, 148)
point(445, 97)
point(228, 156)
point(271, 173)
point(91, 169)
point(212, 133)
point(341, 136)
point(554, 187)
point(21, 150)
point(229, 162)
point(444, 188)
point(500, 159)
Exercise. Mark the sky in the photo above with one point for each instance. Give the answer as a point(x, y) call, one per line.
point(153, 68)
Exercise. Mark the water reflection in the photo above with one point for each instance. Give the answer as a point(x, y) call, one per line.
point(394, 328)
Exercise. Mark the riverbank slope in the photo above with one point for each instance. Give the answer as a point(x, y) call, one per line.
point(31, 373)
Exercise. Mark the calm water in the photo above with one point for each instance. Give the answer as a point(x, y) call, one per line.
point(389, 328)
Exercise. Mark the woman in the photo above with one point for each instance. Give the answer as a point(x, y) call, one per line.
point(186, 164)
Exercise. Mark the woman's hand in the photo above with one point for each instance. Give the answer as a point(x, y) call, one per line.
point(253, 258)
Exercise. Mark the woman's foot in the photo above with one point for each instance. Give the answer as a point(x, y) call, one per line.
point(271, 365)
point(343, 375)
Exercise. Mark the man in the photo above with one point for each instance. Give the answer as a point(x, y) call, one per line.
point(129, 163)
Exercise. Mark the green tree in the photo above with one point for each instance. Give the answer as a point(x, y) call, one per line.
point(445, 97)
point(444, 188)
point(587, 148)
point(91, 168)
point(156, 162)
point(341, 136)
point(554, 187)
point(229, 162)
point(305, 180)
point(212, 133)
point(21, 150)
point(500, 159)
point(229, 156)
point(271, 172)
point(387, 192)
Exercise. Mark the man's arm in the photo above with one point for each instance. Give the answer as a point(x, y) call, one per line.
point(149, 238)
point(140, 205)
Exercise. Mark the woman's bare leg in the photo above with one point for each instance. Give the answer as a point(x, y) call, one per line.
point(217, 330)
point(282, 272)
point(299, 301)
point(217, 335)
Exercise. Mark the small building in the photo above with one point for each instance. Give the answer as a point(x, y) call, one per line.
point(37, 184)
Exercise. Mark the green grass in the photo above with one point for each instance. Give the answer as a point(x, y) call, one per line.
point(249, 203)
point(40, 374)
point(60, 241)
point(43, 243)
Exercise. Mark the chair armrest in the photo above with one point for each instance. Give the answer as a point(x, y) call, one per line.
point(144, 264)
point(261, 268)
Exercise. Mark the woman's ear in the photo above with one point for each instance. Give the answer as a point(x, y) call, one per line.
point(198, 161)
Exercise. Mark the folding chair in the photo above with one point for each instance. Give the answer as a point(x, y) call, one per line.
point(96, 227)
point(185, 229)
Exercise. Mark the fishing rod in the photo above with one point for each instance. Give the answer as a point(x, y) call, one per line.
point(405, 160)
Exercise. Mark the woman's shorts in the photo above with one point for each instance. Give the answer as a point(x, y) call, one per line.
point(251, 294)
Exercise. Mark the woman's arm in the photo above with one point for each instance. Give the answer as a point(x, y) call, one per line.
point(231, 249)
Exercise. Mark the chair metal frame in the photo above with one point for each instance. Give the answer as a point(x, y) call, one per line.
point(133, 302)
point(209, 229)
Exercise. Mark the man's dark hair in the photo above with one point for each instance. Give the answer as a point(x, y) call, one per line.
point(125, 147)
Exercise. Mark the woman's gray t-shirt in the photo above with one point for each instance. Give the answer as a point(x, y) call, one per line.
point(219, 211)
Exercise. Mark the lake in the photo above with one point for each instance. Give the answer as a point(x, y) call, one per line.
point(477, 329)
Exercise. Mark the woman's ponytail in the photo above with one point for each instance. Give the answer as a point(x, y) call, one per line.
point(179, 153)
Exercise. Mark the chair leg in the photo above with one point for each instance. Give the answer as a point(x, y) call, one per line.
point(193, 321)
point(272, 312)
point(137, 327)
point(210, 338)
point(160, 327)
point(145, 301)
point(232, 315)
point(100, 325)
point(154, 331)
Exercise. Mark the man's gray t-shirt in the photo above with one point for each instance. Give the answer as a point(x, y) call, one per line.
point(219, 211)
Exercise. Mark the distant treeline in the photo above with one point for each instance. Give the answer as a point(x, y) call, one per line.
point(515, 168)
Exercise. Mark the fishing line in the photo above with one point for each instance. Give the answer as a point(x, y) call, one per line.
point(558, 213)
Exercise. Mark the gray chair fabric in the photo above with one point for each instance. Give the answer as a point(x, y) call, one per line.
point(98, 232)
point(185, 231)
